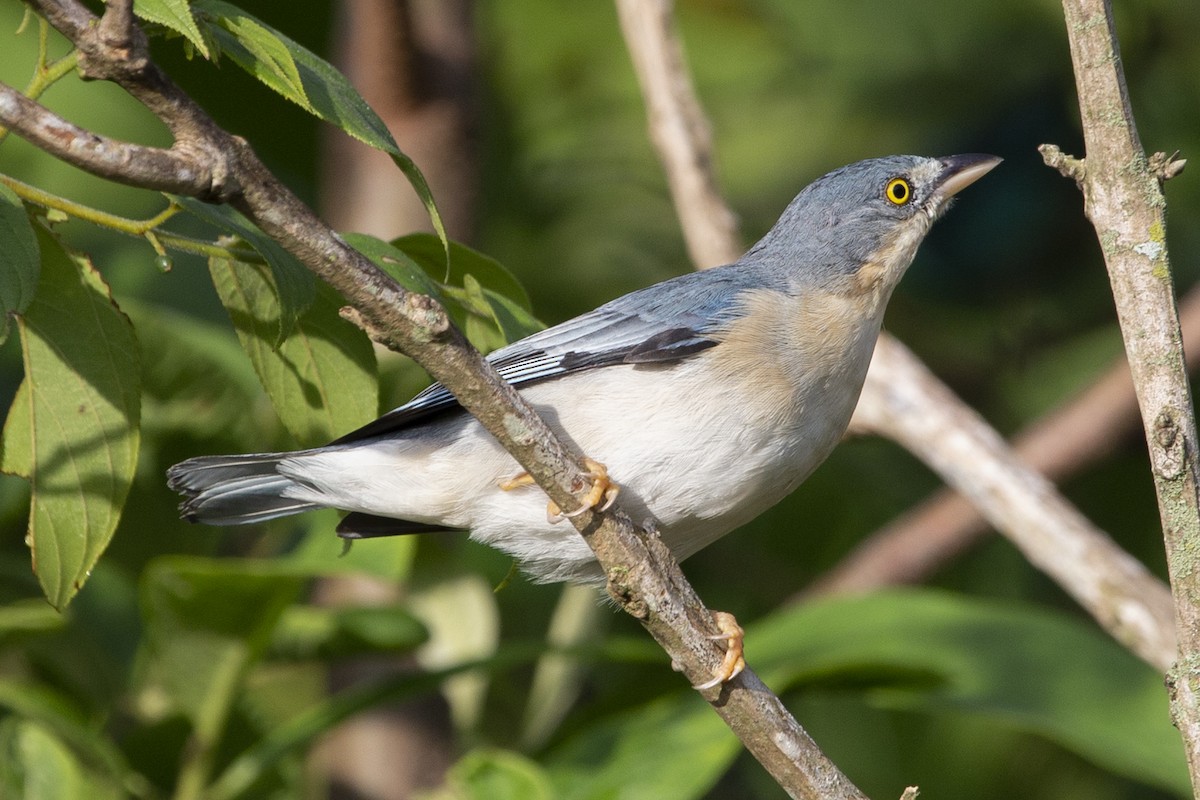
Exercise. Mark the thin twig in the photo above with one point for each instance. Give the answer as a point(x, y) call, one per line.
point(1123, 197)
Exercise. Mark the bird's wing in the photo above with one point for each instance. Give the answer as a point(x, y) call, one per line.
point(663, 323)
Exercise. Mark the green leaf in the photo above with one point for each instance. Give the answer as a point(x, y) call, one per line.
point(316, 632)
point(173, 14)
point(395, 262)
point(27, 618)
point(294, 285)
point(38, 765)
point(207, 622)
point(73, 426)
point(21, 260)
point(494, 774)
point(1024, 668)
point(692, 749)
point(307, 80)
point(427, 251)
point(321, 379)
point(195, 377)
point(483, 299)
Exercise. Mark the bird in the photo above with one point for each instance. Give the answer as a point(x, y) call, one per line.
point(701, 401)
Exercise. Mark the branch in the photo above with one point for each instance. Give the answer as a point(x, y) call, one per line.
point(1063, 442)
point(1122, 195)
point(958, 444)
point(680, 132)
point(1117, 589)
point(642, 575)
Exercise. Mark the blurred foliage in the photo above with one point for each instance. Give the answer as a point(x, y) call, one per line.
point(190, 663)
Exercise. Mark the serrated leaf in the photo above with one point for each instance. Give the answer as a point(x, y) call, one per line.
point(207, 622)
point(311, 82)
point(73, 426)
point(20, 261)
point(295, 286)
point(173, 14)
point(322, 378)
point(261, 51)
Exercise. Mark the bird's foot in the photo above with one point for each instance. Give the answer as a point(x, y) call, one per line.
point(734, 662)
point(601, 495)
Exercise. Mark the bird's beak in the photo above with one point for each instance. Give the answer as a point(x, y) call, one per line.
point(959, 172)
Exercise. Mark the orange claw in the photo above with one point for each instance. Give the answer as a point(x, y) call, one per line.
point(603, 489)
point(734, 662)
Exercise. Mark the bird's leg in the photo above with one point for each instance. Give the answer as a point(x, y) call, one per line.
point(732, 634)
point(603, 489)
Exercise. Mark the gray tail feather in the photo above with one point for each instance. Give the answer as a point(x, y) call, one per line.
point(234, 490)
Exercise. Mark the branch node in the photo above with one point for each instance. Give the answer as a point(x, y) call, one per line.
point(1168, 457)
point(1069, 166)
point(1164, 167)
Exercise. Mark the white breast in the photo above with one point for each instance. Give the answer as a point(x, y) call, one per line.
point(700, 446)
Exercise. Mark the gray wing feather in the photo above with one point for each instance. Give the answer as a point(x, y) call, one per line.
point(660, 324)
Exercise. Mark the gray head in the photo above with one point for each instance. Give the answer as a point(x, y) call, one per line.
point(859, 226)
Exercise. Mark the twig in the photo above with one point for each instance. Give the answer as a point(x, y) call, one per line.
point(680, 132)
point(1079, 433)
point(1122, 195)
point(206, 161)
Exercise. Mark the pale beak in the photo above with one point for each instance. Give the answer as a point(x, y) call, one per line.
point(959, 172)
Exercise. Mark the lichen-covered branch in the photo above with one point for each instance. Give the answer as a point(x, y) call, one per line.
point(1122, 191)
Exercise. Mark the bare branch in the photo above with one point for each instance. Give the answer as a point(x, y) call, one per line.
point(1114, 587)
point(149, 167)
point(680, 132)
point(1122, 195)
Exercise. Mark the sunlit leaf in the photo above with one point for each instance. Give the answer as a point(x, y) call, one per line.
point(294, 285)
point(20, 259)
point(321, 379)
point(173, 14)
point(73, 426)
point(301, 76)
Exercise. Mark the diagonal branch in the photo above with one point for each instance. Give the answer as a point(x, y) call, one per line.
point(1122, 192)
point(1066, 440)
point(643, 577)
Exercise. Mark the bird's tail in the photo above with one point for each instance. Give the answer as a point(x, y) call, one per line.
point(234, 490)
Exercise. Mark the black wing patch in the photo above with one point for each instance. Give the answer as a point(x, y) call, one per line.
point(669, 345)
point(357, 525)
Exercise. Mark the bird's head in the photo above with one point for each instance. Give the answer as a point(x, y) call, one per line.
point(858, 227)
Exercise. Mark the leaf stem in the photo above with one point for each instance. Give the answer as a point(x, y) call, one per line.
point(143, 228)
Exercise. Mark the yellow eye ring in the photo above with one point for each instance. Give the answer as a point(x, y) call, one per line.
point(898, 192)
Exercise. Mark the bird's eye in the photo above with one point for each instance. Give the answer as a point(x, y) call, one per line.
point(898, 191)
